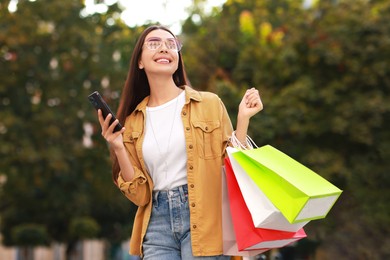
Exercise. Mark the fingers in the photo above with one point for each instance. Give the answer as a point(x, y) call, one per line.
point(107, 128)
point(113, 125)
point(252, 98)
point(104, 123)
point(100, 117)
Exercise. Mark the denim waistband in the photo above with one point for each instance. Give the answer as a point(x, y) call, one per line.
point(177, 191)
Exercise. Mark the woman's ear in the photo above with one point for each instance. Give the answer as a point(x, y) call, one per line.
point(140, 65)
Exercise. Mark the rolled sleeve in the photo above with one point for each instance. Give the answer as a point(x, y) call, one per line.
point(137, 189)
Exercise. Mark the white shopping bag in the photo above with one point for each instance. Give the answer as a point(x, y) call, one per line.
point(264, 213)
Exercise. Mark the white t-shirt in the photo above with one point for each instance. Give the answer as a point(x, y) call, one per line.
point(164, 148)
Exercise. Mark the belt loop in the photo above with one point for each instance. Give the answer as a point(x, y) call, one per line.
point(183, 193)
point(155, 194)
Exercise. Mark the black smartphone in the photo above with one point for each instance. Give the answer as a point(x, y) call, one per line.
point(98, 102)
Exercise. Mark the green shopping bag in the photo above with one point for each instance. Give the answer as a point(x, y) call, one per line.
point(298, 192)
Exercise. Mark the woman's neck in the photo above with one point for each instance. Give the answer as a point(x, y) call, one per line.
point(162, 92)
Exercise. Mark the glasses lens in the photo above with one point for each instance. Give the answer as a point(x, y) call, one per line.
point(153, 45)
point(171, 44)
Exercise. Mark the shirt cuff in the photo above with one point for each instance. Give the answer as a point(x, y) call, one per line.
point(130, 187)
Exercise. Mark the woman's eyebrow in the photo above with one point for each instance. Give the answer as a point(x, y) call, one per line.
point(158, 39)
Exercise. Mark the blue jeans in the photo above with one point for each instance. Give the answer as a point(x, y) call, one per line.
point(168, 234)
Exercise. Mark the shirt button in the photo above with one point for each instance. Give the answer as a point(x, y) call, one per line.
point(192, 204)
point(191, 146)
point(191, 167)
point(192, 185)
point(187, 128)
point(193, 226)
point(206, 128)
point(184, 113)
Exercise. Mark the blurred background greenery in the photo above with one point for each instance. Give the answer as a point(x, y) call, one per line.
point(322, 70)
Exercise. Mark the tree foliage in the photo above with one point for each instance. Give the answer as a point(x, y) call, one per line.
point(57, 170)
point(321, 70)
point(323, 75)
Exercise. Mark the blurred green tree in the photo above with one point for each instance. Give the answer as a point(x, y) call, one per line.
point(57, 167)
point(323, 75)
point(29, 235)
point(322, 72)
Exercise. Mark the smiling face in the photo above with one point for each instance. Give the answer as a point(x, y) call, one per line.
point(159, 53)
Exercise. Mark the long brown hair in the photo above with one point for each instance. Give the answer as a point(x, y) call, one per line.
point(137, 87)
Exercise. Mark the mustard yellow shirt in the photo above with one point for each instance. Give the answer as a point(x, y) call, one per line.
point(207, 128)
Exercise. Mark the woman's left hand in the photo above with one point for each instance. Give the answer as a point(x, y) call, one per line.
point(250, 104)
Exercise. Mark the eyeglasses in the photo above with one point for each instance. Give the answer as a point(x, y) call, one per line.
point(155, 43)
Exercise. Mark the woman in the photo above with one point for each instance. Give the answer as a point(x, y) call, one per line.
point(169, 154)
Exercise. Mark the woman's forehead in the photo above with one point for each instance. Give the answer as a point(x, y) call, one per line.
point(159, 33)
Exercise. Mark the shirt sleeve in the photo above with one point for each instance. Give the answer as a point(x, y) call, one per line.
point(227, 127)
point(136, 190)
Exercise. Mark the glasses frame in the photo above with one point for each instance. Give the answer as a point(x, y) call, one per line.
point(179, 45)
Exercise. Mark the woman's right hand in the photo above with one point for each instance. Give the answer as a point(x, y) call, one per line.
point(114, 139)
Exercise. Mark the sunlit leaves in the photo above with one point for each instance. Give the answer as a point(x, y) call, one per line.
point(247, 26)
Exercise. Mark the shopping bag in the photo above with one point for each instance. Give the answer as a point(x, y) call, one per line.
point(229, 237)
point(298, 192)
point(264, 214)
point(249, 237)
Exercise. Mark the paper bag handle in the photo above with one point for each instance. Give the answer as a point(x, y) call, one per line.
point(250, 144)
